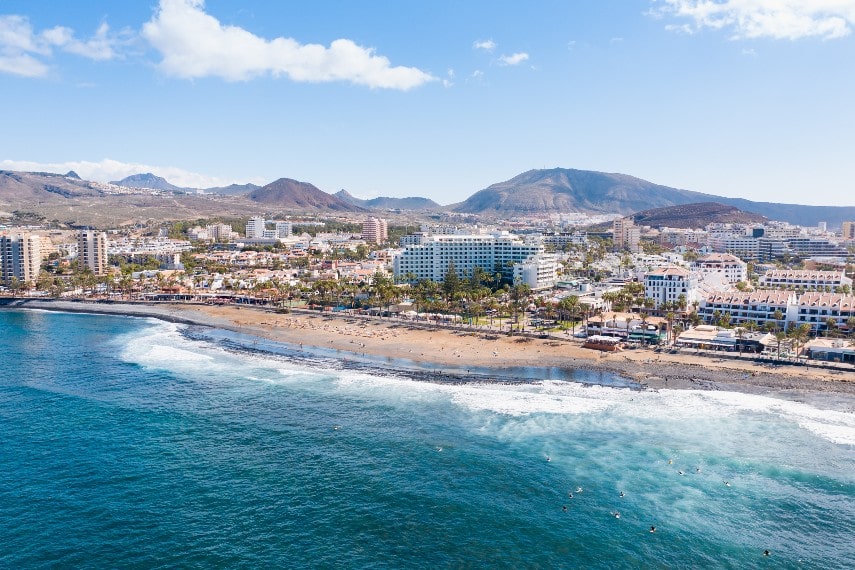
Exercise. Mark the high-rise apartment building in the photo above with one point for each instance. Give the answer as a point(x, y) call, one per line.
point(92, 251)
point(375, 230)
point(626, 234)
point(20, 258)
point(255, 227)
point(848, 231)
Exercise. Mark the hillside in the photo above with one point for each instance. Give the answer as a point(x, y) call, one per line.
point(295, 195)
point(413, 203)
point(66, 199)
point(560, 190)
point(148, 180)
point(232, 189)
point(698, 215)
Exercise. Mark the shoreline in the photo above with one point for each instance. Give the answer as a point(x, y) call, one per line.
point(465, 349)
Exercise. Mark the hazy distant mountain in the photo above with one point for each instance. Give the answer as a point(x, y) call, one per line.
point(232, 189)
point(41, 187)
point(148, 180)
point(567, 190)
point(388, 203)
point(695, 216)
point(72, 174)
point(292, 194)
point(65, 199)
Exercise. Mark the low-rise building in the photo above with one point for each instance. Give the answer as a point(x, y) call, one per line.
point(809, 280)
point(758, 306)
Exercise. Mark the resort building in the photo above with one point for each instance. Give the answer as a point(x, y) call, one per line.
point(670, 285)
point(746, 247)
point(375, 230)
point(729, 266)
point(92, 251)
point(20, 258)
point(499, 252)
point(805, 279)
point(758, 307)
point(816, 309)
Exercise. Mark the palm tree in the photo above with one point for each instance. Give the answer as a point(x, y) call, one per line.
point(778, 316)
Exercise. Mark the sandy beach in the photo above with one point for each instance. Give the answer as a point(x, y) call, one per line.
point(463, 347)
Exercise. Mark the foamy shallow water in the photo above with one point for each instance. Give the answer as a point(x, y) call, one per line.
point(231, 457)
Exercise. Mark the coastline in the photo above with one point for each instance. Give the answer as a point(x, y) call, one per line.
point(476, 349)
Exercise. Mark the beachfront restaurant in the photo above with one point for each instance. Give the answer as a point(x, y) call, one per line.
point(831, 350)
point(708, 337)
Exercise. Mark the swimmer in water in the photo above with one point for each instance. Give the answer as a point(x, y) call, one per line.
point(578, 489)
point(622, 495)
point(570, 495)
point(616, 514)
point(653, 529)
point(548, 458)
point(680, 473)
point(670, 462)
point(766, 553)
point(564, 508)
point(727, 483)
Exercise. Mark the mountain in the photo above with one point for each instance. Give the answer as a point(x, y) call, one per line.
point(232, 189)
point(388, 203)
point(148, 180)
point(695, 216)
point(72, 174)
point(35, 197)
point(292, 194)
point(560, 190)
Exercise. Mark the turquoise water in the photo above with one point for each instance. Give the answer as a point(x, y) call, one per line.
point(131, 443)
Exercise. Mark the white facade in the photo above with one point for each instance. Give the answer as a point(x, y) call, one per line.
point(729, 266)
point(498, 252)
point(804, 279)
point(754, 306)
point(668, 284)
point(255, 227)
point(284, 229)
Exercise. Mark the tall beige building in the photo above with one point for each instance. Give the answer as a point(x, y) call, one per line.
point(626, 234)
point(848, 231)
point(20, 258)
point(92, 251)
point(375, 230)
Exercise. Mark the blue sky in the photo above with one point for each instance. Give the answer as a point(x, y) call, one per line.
point(749, 98)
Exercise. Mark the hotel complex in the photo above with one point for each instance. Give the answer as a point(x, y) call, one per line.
point(518, 260)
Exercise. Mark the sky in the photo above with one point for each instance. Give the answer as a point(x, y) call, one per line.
point(439, 98)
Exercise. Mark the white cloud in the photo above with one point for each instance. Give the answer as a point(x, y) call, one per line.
point(195, 44)
point(23, 51)
point(486, 45)
point(514, 59)
point(107, 170)
point(748, 19)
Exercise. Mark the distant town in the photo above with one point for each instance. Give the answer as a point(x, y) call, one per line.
point(769, 288)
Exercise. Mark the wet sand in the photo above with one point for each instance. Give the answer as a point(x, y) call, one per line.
point(462, 348)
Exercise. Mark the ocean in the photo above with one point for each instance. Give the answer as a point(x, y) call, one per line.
point(134, 443)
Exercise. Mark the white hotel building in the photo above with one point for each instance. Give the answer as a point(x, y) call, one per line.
point(730, 267)
point(522, 261)
point(804, 279)
point(668, 284)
